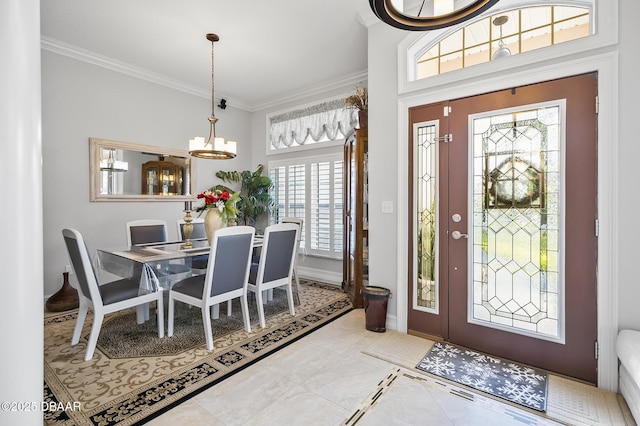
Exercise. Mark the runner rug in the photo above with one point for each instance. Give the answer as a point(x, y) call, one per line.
point(134, 376)
point(505, 379)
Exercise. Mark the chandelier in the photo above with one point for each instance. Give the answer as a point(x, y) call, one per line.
point(214, 148)
point(112, 164)
point(430, 15)
point(502, 51)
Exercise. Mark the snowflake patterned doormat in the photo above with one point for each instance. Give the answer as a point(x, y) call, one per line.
point(514, 382)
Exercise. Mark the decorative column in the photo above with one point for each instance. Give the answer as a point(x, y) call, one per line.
point(22, 301)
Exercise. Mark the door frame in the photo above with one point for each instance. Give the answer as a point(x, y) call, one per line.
point(606, 65)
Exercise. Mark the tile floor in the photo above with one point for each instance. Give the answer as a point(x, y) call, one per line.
point(327, 378)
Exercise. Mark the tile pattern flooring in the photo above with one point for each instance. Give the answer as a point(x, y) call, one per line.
point(327, 378)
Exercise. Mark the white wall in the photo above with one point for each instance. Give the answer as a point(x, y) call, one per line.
point(79, 101)
point(383, 162)
point(627, 174)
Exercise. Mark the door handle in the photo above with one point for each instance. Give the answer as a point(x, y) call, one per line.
point(456, 235)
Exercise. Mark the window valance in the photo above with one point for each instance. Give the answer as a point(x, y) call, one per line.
point(310, 125)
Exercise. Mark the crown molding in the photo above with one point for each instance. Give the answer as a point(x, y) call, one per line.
point(367, 18)
point(75, 52)
point(320, 89)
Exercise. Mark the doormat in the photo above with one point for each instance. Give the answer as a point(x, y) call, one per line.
point(133, 390)
point(505, 379)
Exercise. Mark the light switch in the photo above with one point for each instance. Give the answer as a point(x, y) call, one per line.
point(387, 207)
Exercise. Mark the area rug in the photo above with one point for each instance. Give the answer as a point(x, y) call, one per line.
point(122, 337)
point(513, 382)
point(137, 388)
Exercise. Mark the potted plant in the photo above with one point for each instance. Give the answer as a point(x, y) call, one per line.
point(359, 100)
point(254, 199)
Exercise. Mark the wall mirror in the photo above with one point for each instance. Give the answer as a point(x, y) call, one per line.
point(122, 171)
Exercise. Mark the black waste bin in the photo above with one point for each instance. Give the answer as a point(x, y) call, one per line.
point(375, 307)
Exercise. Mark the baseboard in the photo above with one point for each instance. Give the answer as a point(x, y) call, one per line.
point(631, 392)
point(320, 275)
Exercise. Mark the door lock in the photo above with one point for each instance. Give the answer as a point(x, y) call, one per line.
point(457, 235)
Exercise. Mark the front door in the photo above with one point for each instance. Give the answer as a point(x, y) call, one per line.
point(503, 224)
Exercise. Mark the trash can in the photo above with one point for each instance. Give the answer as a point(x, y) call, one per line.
point(375, 307)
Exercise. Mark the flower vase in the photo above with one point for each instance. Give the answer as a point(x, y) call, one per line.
point(212, 222)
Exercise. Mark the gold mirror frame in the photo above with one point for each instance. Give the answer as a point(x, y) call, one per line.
point(139, 154)
point(387, 13)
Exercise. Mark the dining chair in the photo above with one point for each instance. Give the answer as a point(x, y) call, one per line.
point(299, 222)
point(226, 278)
point(198, 263)
point(148, 231)
point(275, 266)
point(106, 298)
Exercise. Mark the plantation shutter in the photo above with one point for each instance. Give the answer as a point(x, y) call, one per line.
point(311, 189)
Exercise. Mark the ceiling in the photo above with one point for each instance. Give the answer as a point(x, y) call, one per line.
point(269, 50)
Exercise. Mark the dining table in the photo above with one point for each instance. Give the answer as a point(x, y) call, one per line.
point(168, 262)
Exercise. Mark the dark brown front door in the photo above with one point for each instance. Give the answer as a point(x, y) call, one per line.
point(508, 214)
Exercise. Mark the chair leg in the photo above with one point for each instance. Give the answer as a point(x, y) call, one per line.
point(295, 274)
point(82, 315)
point(259, 302)
point(292, 310)
point(171, 315)
point(160, 306)
point(229, 308)
point(93, 337)
point(245, 312)
point(215, 311)
point(208, 333)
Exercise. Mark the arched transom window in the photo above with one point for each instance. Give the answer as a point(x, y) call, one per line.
point(503, 34)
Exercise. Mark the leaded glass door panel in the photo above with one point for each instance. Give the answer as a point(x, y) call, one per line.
point(516, 247)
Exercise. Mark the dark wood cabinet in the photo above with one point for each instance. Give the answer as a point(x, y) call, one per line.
point(355, 265)
point(161, 178)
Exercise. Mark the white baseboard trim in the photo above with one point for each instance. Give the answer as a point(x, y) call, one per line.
point(320, 275)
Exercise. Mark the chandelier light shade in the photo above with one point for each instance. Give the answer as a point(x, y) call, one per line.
point(430, 15)
point(111, 164)
point(214, 147)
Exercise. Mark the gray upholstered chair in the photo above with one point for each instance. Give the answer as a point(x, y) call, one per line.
point(146, 231)
point(226, 278)
point(300, 223)
point(106, 298)
point(149, 231)
point(275, 267)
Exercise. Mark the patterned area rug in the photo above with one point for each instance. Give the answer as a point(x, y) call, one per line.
point(514, 382)
point(122, 337)
point(136, 388)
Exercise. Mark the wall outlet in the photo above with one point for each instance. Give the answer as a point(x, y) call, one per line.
point(68, 269)
point(387, 207)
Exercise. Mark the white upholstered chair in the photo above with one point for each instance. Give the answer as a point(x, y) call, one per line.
point(299, 222)
point(146, 231)
point(106, 298)
point(276, 264)
point(226, 278)
point(149, 231)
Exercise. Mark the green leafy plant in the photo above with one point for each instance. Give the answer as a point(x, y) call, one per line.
point(255, 199)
